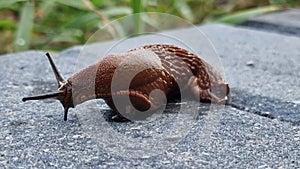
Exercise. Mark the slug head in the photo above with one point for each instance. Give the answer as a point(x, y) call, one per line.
point(64, 93)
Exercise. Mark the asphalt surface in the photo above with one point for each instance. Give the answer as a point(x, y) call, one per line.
point(284, 22)
point(259, 129)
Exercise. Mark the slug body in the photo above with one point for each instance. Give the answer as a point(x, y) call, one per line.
point(135, 75)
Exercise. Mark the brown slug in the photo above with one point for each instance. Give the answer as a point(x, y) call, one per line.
point(167, 68)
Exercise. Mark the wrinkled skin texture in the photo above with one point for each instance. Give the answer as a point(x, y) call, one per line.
point(137, 73)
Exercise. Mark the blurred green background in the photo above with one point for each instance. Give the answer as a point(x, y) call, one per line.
point(54, 25)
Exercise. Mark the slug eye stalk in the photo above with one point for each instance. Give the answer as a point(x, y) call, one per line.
point(64, 93)
point(60, 80)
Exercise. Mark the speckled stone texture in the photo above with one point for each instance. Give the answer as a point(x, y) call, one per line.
point(260, 129)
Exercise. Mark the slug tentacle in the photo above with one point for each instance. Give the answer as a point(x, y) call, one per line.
point(54, 95)
point(60, 80)
point(64, 93)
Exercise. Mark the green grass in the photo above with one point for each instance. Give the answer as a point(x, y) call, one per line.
point(57, 24)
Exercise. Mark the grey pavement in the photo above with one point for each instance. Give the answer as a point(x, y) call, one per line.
point(286, 22)
point(259, 129)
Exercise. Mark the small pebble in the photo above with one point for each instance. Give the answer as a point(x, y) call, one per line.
point(296, 101)
point(266, 114)
point(250, 63)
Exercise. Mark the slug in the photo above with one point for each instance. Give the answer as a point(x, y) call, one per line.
point(168, 68)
